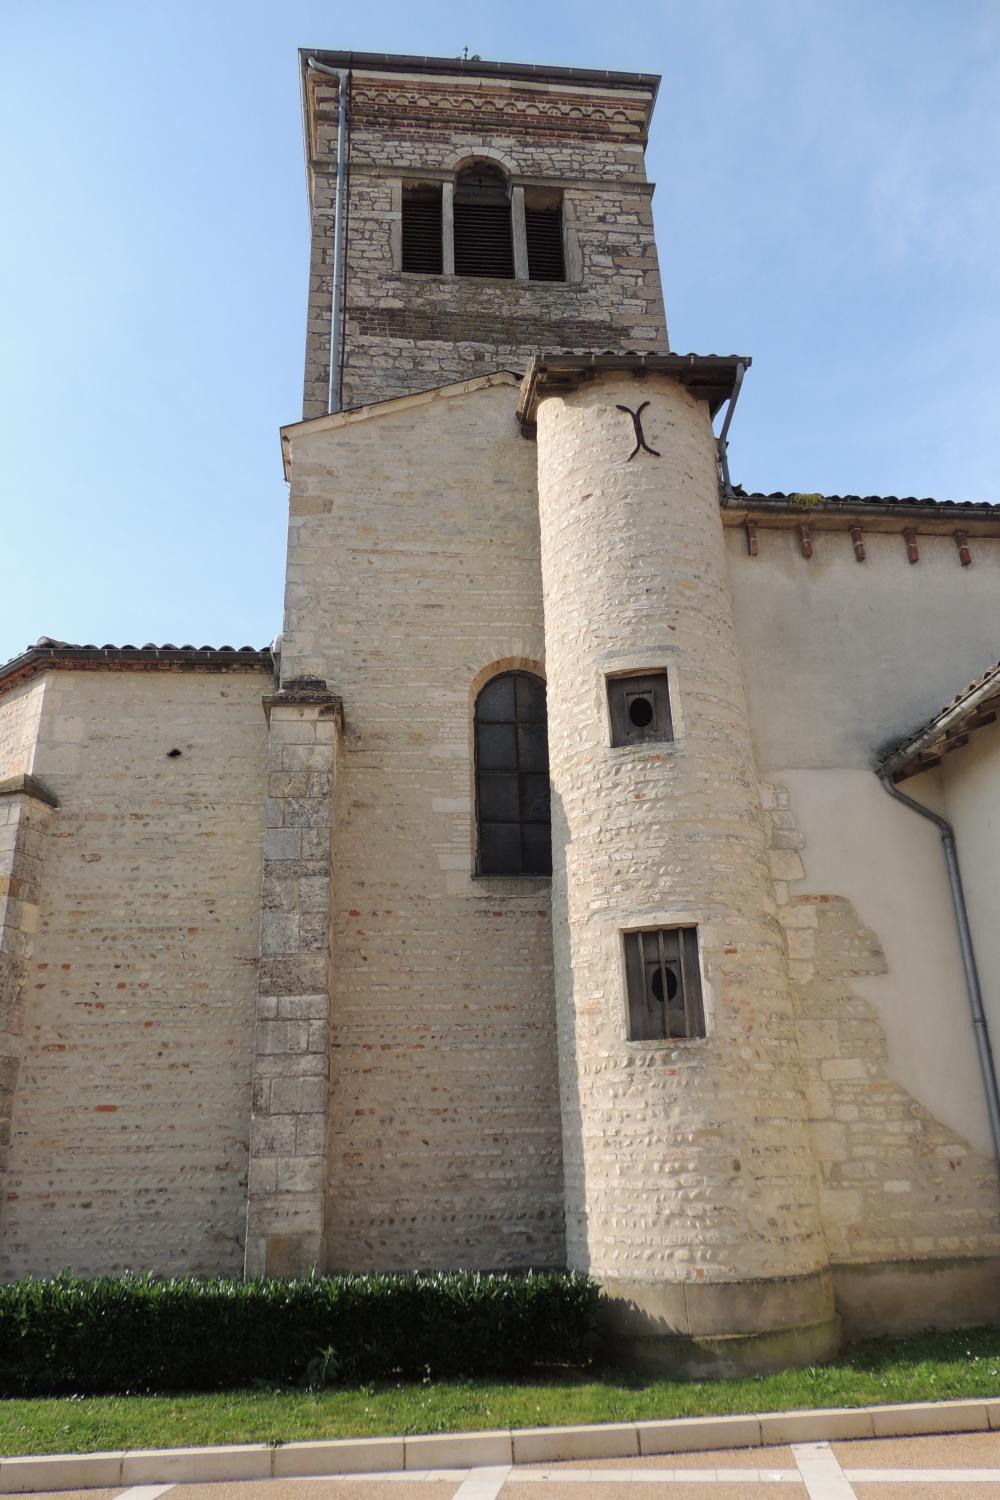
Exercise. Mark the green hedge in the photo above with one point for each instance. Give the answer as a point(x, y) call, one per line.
point(140, 1334)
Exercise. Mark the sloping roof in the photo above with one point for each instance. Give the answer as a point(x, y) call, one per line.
point(476, 67)
point(710, 377)
point(804, 500)
point(973, 708)
point(48, 655)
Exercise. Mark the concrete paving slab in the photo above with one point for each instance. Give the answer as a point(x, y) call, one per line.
point(75, 1494)
point(345, 1456)
point(971, 1450)
point(159, 1466)
point(771, 1457)
point(815, 1426)
point(680, 1490)
point(534, 1445)
point(915, 1490)
point(930, 1416)
point(60, 1471)
point(691, 1434)
point(459, 1450)
point(343, 1487)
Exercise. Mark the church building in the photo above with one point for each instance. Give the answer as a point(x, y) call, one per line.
point(589, 874)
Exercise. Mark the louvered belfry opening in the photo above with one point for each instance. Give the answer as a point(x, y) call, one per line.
point(484, 244)
point(422, 229)
point(544, 233)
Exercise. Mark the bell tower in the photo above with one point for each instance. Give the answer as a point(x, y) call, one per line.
point(484, 211)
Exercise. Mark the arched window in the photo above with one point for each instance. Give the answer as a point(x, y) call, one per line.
point(512, 777)
point(484, 243)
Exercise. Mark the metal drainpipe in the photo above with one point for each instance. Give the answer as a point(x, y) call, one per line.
point(336, 332)
point(980, 1029)
point(722, 443)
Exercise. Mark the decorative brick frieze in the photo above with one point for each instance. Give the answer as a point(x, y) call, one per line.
point(286, 1196)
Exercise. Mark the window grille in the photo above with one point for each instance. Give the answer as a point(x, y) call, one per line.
point(663, 984)
point(422, 226)
point(512, 777)
point(640, 709)
point(484, 244)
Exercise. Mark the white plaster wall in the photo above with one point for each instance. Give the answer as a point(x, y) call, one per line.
point(131, 1117)
point(844, 658)
point(888, 862)
point(20, 712)
point(971, 779)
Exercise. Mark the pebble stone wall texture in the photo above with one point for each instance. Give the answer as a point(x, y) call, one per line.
point(413, 576)
point(407, 332)
point(687, 1162)
point(131, 1118)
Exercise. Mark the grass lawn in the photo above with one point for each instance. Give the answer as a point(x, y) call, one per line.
point(933, 1367)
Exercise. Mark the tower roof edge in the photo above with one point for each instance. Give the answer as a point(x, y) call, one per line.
point(480, 68)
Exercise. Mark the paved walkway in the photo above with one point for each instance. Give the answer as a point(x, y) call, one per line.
point(965, 1466)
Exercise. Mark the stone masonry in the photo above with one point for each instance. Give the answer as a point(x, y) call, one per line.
point(409, 585)
point(286, 1191)
point(687, 1162)
point(130, 1124)
point(407, 331)
point(25, 810)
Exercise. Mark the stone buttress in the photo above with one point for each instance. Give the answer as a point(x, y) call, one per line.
point(690, 1187)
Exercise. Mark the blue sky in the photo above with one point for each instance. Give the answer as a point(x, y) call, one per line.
point(827, 202)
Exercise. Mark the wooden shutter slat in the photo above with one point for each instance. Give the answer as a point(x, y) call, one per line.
point(422, 233)
point(543, 229)
point(484, 244)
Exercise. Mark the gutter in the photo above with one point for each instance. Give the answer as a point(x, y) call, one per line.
point(336, 291)
point(980, 1028)
point(722, 441)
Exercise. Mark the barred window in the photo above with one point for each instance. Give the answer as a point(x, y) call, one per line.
point(663, 984)
point(512, 777)
point(484, 243)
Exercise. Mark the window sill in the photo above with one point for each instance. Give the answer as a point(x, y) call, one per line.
point(514, 883)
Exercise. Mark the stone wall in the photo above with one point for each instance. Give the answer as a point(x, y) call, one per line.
point(406, 332)
point(687, 1162)
point(895, 1182)
point(131, 1117)
point(25, 810)
point(20, 713)
point(413, 575)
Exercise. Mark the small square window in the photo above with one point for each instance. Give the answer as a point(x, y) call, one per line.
point(663, 985)
point(640, 709)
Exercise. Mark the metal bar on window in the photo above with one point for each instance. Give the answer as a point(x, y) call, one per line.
point(664, 987)
point(694, 1024)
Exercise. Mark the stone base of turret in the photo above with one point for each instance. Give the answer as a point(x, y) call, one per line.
point(908, 1296)
point(698, 1330)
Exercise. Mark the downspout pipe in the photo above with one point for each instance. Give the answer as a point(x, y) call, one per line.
point(337, 294)
point(980, 1028)
point(722, 441)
